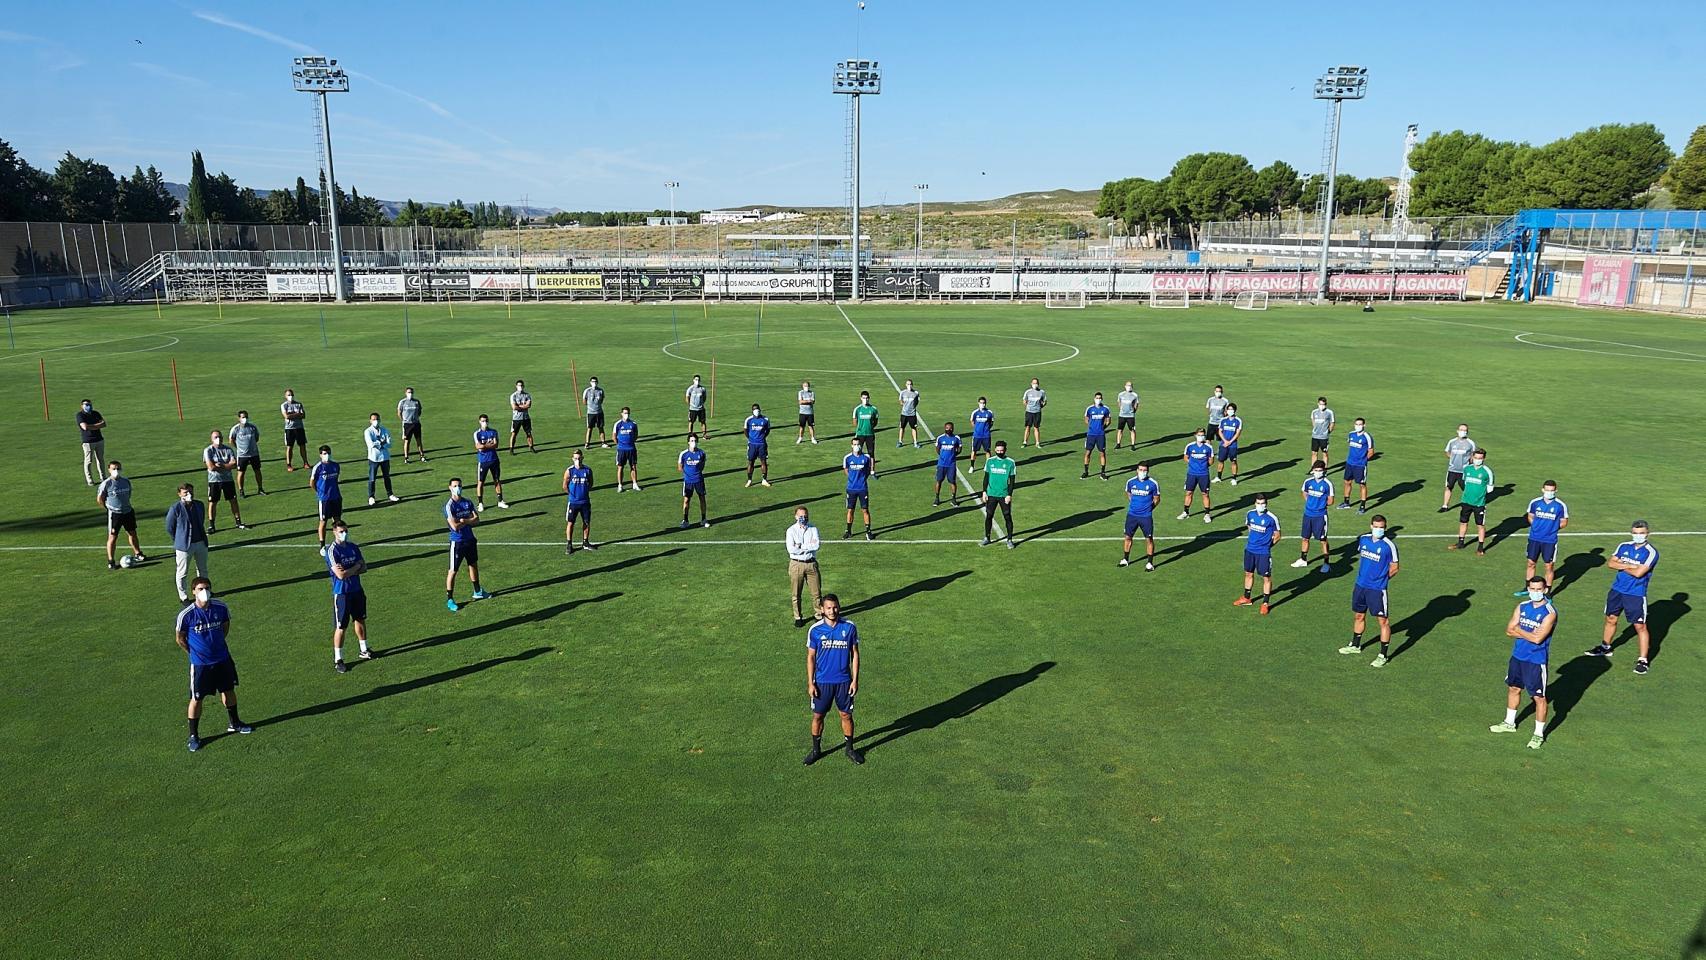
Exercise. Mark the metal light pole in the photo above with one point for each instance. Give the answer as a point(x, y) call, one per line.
point(856, 78)
point(321, 76)
point(672, 185)
point(1338, 84)
point(919, 252)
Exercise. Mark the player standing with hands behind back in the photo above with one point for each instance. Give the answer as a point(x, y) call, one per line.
point(521, 416)
point(1035, 398)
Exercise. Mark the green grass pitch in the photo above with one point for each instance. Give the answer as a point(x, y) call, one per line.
point(1065, 758)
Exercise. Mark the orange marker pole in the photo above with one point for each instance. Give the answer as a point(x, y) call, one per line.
point(42, 362)
point(176, 395)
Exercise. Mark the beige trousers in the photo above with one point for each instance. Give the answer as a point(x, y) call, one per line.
point(805, 573)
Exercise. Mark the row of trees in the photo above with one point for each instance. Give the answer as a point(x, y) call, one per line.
point(218, 198)
point(1614, 166)
point(80, 190)
point(1225, 186)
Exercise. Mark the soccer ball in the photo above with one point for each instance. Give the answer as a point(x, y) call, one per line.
point(127, 561)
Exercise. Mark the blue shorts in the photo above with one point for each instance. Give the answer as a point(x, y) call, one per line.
point(1262, 563)
point(1144, 523)
point(1314, 528)
point(1097, 442)
point(1368, 600)
point(1195, 482)
point(1526, 676)
point(210, 678)
point(1544, 552)
point(347, 607)
point(1356, 473)
point(757, 451)
point(839, 694)
point(331, 509)
point(1626, 604)
point(579, 511)
point(464, 551)
point(491, 471)
point(1228, 451)
point(980, 444)
point(627, 458)
point(945, 473)
point(689, 489)
point(860, 499)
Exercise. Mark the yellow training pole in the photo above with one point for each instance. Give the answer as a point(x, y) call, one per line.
point(452, 308)
point(157, 315)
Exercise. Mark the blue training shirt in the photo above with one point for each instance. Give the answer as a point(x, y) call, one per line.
point(627, 434)
point(858, 467)
point(346, 555)
point(1548, 516)
point(487, 436)
point(1316, 493)
point(1376, 557)
point(325, 479)
point(580, 485)
point(692, 464)
point(1142, 494)
point(1530, 615)
point(947, 448)
point(757, 428)
point(982, 422)
point(1357, 447)
point(204, 630)
point(1262, 528)
point(1229, 428)
point(459, 508)
point(834, 646)
point(1098, 415)
point(1197, 456)
point(1641, 555)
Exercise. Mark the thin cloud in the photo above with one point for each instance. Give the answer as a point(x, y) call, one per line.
point(254, 31)
point(56, 56)
point(154, 69)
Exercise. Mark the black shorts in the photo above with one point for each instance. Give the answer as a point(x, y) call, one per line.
point(244, 463)
point(464, 551)
point(1453, 478)
point(525, 425)
point(909, 420)
point(595, 421)
point(121, 521)
point(695, 416)
point(627, 458)
point(218, 490)
point(1127, 423)
point(808, 420)
point(412, 431)
point(1318, 444)
point(296, 434)
point(1465, 511)
point(347, 607)
point(859, 500)
point(581, 512)
point(331, 509)
point(492, 471)
point(1033, 419)
point(210, 678)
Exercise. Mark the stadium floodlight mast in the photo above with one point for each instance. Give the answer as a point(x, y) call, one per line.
point(672, 184)
point(918, 254)
point(321, 76)
point(857, 78)
point(1338, 84)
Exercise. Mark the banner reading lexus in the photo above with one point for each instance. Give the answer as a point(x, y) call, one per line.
point(438, 281)
point(568, 281)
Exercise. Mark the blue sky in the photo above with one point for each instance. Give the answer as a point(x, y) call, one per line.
point(579, 104)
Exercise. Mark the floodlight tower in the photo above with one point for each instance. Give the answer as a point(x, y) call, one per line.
point(321, 76)
point(857, 78)
point(919, 251)
point(1338, 84)
point(1401, 203)
point(671, 185)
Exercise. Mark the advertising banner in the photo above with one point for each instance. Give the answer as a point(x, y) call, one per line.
point(672, 282)
point(768, 284)
point(298, 284)
point(1290, 284)
point(568, 281)
point(498, 281)
point(437, 281)
point(900, 283)
point(1402, 285)
point(1605, 280)
point(377, 284)
point(1196, 283)
point(975, 283)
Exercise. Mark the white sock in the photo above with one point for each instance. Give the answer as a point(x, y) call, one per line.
point(1540, 728)
point(364, 646)
point(337, 654)
point(1510, 717)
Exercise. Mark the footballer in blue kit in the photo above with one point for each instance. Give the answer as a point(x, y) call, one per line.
point(461, 515)
point(1096, 417)
point(1142, 494)
point(1377, 564)
point(1231, 429)
point(691, 463)
point(327, 495)
point(627, 450)
point(1264, 535)
point(1634, 561)
point(1198, 455)
point(832, 676)
point(201, 631)
point(1359, 447)
point(349, 601)
point(577, 486)
point(947, 464)
point(859, 468)
point(1530, 629)
point(1317, 498)
point(982, 431)
point(486, 453)
point(1547, 517)
point(757, 429)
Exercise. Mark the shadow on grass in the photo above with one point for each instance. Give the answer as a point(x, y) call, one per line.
point(1574, 566)
point(961, 704)
point(901, 593)
point(404, 686)
point(587, 572)
point(318, 571)
point(1422, 622)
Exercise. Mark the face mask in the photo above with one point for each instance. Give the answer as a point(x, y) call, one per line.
point(410, 395)
point(1320, 406)
point(1548, 494)
point(186, 497)
point(242, 419)
point(1462, 433)
point(215, 440)
point(325, 457)
point(88, 407)
point(1479, 461)
point(114, 473)
point(1261, 508)
point(373, 423)
point(1199, 438)
point(482, 424)
point(201, 595)
point(1317, 474)
point(1637, 537)
point(456, 491)
point(1377, 532)
point(289, 397)
point(800, 520)
point(1537, 595)
point(341, 535)
point(1217, 393)
point(1143, 474)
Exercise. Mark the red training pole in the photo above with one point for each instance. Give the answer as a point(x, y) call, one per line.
point(575, 383)
point(179, 396)
point(42, 361)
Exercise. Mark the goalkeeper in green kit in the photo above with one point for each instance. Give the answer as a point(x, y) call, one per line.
point(1477, 483)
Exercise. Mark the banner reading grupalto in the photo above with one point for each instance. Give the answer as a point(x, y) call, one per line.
point(1605, 281)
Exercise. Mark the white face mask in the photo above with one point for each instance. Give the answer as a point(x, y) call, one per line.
point(1261, 508)
point(1217, 393)
point(242, 419)
point(1232, 411)
point(1537, 595)
point(410, 395)
point(1548, 494)
point(692, 444)
point(456, 491)
point(1199, 438)
point(186, 497)
point(373, 423)
point(1462, 433)
point(1479, 461)
point(1320, 406)
point(1377, 532)
point(1318, 474)
point(483, 424)
point(215, 439)
point(201, 594)
point(289, 397)
point(341, 535)
point(325, 457)
point(114, 473)
point(1637, 537)
point(1143, 474)
point(88, 407)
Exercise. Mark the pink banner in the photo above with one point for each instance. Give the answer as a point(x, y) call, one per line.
point(1189, 282)
point(1605, 281)
point(1402, 284)
point(1286, 283)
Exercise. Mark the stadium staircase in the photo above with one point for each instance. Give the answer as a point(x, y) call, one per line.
point(143, 279)
point(1494, 240)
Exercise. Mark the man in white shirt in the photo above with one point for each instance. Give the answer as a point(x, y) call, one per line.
point(803, 543)
point(378, 441)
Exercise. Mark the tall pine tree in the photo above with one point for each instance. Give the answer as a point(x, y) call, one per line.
point(195, 205)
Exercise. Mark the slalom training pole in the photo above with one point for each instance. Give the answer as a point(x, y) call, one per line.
point(157, 315)
point(42, 363)
point(575, 384)
point(713, 411)
point(672, 323)
point(11, 341)
point(760, 342)
point(405, 325)
point(175, 394)
point(323, 341)
point(452, 308)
